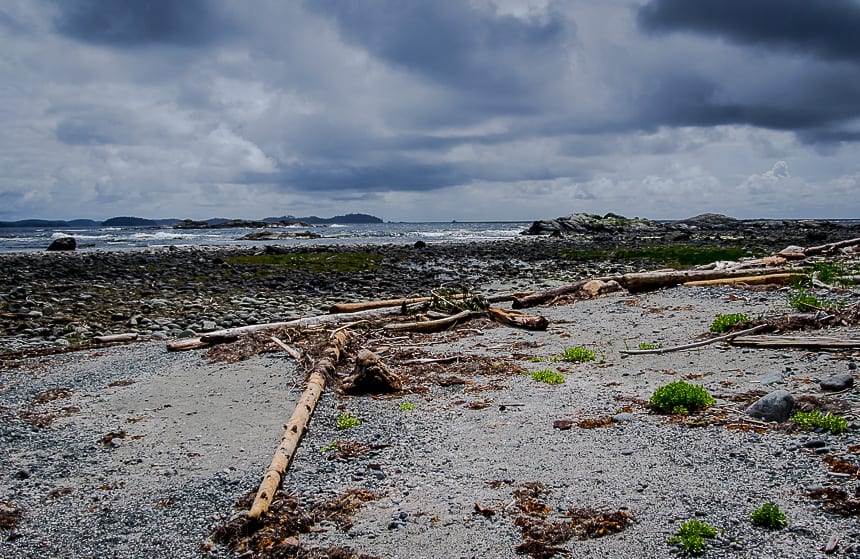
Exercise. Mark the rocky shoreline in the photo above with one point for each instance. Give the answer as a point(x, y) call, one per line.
point(58, 300)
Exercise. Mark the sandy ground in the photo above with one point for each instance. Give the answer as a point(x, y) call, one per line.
point(148, 450)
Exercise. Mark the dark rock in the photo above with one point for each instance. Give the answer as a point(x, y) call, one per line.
point(419, 244)
point(63, 243)
point(190, 224)
point(583, 223)
point(776, 406)
point(815, 443)
point(710, 221)
point(837, 382)
point(270, 235)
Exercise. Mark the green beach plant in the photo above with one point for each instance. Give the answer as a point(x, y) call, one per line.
point(650, 345)
point(548, 376)
point(691, 536)
point(815, 419)
point(406, 406)
point(578, 354)
point(724, 321)
point(680, 397)
point(768, 516)
point(347, 421)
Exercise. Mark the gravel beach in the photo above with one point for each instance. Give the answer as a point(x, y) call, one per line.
point(132, 451)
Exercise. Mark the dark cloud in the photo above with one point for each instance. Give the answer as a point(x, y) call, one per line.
point(456, 44)
point(131, 23)
point(826, 28)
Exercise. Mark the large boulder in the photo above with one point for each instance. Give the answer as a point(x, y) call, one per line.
point(776, 406)
point(584, 223)
point(63, 243)
point(710, 221)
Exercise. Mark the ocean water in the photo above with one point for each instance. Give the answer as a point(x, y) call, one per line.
point(32, 239)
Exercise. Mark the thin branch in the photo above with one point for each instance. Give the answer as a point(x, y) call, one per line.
point(694, 344)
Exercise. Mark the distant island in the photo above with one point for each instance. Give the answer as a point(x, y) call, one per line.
point(128, 221)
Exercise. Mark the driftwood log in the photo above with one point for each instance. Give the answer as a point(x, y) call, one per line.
point(371, 376)
point(693, 344)
point(649, 281)
point(231, 334)
point(823, 249)
point(805, 342)
point(778, 279)
point(429, 326)
point(115, 338)
point(385, 303)
point(295, 427)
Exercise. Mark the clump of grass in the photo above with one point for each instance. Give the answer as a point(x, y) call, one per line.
point(650, 345)
point(578, 354)
point(406, 406)
point(724, 321)
point(830, 272)
point(815, 419)
point(768, 516)
point(347, 421)
point(691, 536)
point(548, 376)
point(680, 398)
point(804, 301)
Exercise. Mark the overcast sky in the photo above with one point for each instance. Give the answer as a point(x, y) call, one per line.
point(418, 110)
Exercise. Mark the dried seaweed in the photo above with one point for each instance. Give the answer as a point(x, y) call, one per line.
point(274, 536)
point(51, 395)
point(838, 500)
point(840, 466)
point(10, 516)
point(594, 423)
point(590, 523)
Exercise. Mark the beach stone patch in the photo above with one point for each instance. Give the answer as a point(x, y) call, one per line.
point(775, 406)
point(837, 382)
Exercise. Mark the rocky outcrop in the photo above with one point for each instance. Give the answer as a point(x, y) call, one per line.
point(269, 235)
point(583, 223)
point(63, 243)
point(190, 224)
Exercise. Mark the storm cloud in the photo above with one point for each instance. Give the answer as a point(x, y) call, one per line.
point(487, 109)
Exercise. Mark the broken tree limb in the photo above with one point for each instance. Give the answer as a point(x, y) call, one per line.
point(779, 279)
point(230, 334)
point(805, 342)
point(518, 319)
point(429, 326)
point(821, 249)
point(295, 427)
point(385, 303)
point(693, 344)
point(649, 281)
point(371, 376)
point(292, 352)
point(537, 298)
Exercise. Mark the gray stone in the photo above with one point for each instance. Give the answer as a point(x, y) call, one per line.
point(63, 243)
point(622, 417)
point(837, 382)
point(776, 406)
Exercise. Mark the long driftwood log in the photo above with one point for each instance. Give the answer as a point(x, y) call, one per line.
point(230, 334)
point(649, 281)
point(693, 344)
point(821, 249)
point(805, 342)
point(601, 285)
point(518, 319)
point(295, 427)
point(384, 303)
point(779, 279)
point(429, 325)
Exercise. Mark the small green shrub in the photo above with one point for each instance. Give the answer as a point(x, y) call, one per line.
point(768, 516)
point(406, 406)
point(680, 397)
point(547, 376)
point(578, 354)
point(691, 536)
point(724, 321)
point(815, 419)
point(830, 272)
point(649, 345)
point(347, 421)
point(537, 359)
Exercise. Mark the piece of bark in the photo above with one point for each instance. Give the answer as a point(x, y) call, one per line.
point(429, 326)
point(807, 342)
point(832, 544)
point(649, 281)
point(295, 427)
point(518, 319)
point(693, 344)
point(371, 376)
point(779, 279)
